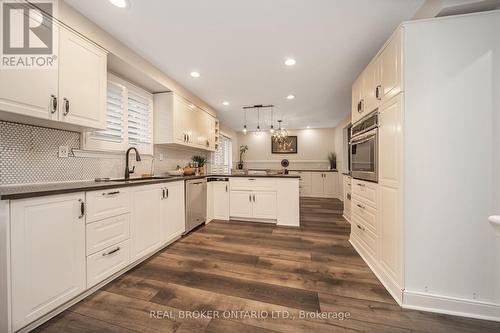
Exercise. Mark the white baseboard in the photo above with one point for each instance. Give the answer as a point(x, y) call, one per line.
point(450, 305)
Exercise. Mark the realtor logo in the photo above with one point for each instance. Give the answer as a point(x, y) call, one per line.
point(27, 34)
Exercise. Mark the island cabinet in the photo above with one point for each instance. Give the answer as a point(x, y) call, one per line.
point(321, 184)
point(179, 122)
point(72, 95)
point(265, 199)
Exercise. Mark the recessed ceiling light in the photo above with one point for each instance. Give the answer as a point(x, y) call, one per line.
point(308, 126)
point(290, 96)
point(226, 103)
point(120, 3)
point(195, 74)
point(290, 62)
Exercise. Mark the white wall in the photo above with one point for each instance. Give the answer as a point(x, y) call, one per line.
point(313, 148)
point(452, 92)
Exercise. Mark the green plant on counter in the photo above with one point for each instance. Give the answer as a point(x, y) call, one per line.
point(332, 158)
point(200, 159)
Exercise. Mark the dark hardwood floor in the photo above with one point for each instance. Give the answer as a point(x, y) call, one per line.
point(234, 268)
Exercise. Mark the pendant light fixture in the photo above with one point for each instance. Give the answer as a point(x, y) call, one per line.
point(258, 122)
point(245, 125)
point(271, 130)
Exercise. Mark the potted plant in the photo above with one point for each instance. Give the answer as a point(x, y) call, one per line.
point(332, 158)
point(200, 160)
point(243, 149)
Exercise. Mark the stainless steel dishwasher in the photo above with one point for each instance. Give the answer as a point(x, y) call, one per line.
point(196, 203)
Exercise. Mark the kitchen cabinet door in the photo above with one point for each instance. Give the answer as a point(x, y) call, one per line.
point(390, 142)
point(48, 255)
point(82, 82)
point(390, 68)
point(241, 204)
point(370, 83)
point(30, 92)
point(390, 232)
point(221, 200)
point(173, 214)
point(357, 99)
point(264, 205)
point(330, 184)
point(145, 220)
point(316, 184)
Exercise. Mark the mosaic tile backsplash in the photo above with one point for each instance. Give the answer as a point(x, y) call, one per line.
point(29, 154)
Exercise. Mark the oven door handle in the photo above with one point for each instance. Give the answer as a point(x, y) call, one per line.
point(365, 139)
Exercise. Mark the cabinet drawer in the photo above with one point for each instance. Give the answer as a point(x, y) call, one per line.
point(108, 232)
point(252, 184)
point(368, 238)
point(107, 262)
point(366, 213)
point(365, 191)
point(104, 204)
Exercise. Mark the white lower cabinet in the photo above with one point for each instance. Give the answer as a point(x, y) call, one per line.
point(107, 262)
point(47, 255)
point(220, 192)
point(145, 220)
point(253, 204)
point(108, 232)
point(173, 218)
point(264, 205)
point(318, 184)
point(241, 204)
point(347, 197)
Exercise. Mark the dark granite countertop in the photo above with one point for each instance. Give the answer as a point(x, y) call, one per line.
point(38, 190)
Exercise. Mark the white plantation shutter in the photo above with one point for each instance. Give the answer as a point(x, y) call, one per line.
point(139, 113)
point(129, 119)
point(221, 158)
point(115, 120)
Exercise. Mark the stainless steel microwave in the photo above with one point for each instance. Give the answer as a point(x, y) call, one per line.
point(364, 148)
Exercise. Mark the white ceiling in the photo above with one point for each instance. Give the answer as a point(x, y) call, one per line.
point(239, 47)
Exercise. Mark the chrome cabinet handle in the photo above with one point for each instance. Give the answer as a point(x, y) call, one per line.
point(82, 208)
point(361, 206)
point(66, 106)
point(111, 252)
point(361, 185)
point(254, 198)
point(106, 194)
point(361, 228)
point(250, 198)
point(226, 188)
point(252, 179)
point(166, 192)
point(162, 193)
point(54, 104)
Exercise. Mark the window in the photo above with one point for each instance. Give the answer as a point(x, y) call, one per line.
point(129, 119)
point(222, 157)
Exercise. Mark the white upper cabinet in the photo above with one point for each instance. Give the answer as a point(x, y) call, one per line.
point(70, 96)
point(380, 81)
point(179, 122)
point(371, 87)
point(390, 68)
point(47, 254)
point(82, 82)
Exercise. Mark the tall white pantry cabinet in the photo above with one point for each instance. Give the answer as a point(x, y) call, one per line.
point(425, 231)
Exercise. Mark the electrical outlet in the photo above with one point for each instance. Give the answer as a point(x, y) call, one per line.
point(63, 152)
